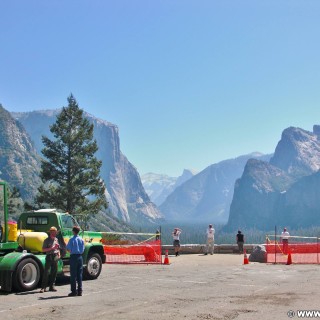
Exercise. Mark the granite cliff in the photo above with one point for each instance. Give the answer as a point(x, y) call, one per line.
point(19, 161)
point(283, 191)
point(125, 193)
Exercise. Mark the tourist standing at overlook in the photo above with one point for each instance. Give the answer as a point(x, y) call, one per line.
point(176, 240)
point(284, 238)
point(240, 241)
point(210, 239)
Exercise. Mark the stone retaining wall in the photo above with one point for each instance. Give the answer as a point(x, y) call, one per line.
point(201, 248)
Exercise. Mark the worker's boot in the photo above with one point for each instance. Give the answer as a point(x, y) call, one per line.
point(52, 288)
point(72, 294)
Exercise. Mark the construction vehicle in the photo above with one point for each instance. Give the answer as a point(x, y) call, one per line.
point(21, 258)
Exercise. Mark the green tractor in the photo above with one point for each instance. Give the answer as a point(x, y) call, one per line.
point(21, 258)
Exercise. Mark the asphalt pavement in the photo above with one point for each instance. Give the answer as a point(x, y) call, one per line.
point(194, 286)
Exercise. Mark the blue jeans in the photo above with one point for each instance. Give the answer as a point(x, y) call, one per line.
point(76, 265)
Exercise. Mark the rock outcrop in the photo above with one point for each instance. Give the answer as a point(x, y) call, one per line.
point(258, 254)
point(19, 162)
point(284, 192)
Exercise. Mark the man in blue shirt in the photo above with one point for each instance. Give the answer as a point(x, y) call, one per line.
point(76, 247)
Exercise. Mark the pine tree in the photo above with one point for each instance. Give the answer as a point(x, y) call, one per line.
point(70, 171)
point(15, 202)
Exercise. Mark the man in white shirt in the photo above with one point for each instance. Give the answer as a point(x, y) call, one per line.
point(210, 240)
point(285, 240)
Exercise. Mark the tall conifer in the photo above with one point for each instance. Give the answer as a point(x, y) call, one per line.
point(70, 171)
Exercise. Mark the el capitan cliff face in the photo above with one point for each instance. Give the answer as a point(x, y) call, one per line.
point(125, 193)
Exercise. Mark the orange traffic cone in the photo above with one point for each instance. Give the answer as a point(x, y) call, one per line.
point(289, 261)
point(245, 258)
point(166, 258)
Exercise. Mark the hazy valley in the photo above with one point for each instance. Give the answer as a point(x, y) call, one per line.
point(251, 192)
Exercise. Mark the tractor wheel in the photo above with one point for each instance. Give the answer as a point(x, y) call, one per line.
point(27, 275)
point(93, 268)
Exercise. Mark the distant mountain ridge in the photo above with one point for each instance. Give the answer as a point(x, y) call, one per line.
point(159, 186)
point(207, 195)
point(259, 191)
point(284, 191)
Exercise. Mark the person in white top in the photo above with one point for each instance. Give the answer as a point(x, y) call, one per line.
point(210, 240)
point(284, 238)
point(176, 240)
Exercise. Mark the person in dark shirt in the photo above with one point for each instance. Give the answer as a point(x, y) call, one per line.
point(157, 234)
point(240, 241)
point(76, 248)
point(51, 248)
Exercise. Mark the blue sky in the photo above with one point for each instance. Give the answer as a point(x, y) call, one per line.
point(189, 83)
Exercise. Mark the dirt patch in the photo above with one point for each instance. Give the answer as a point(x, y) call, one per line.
point(283, 299)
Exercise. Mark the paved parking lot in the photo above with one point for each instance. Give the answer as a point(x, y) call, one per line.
point(191, 287)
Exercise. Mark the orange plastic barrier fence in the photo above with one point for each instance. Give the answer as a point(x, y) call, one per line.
point(144, 252)
point(301, 253)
